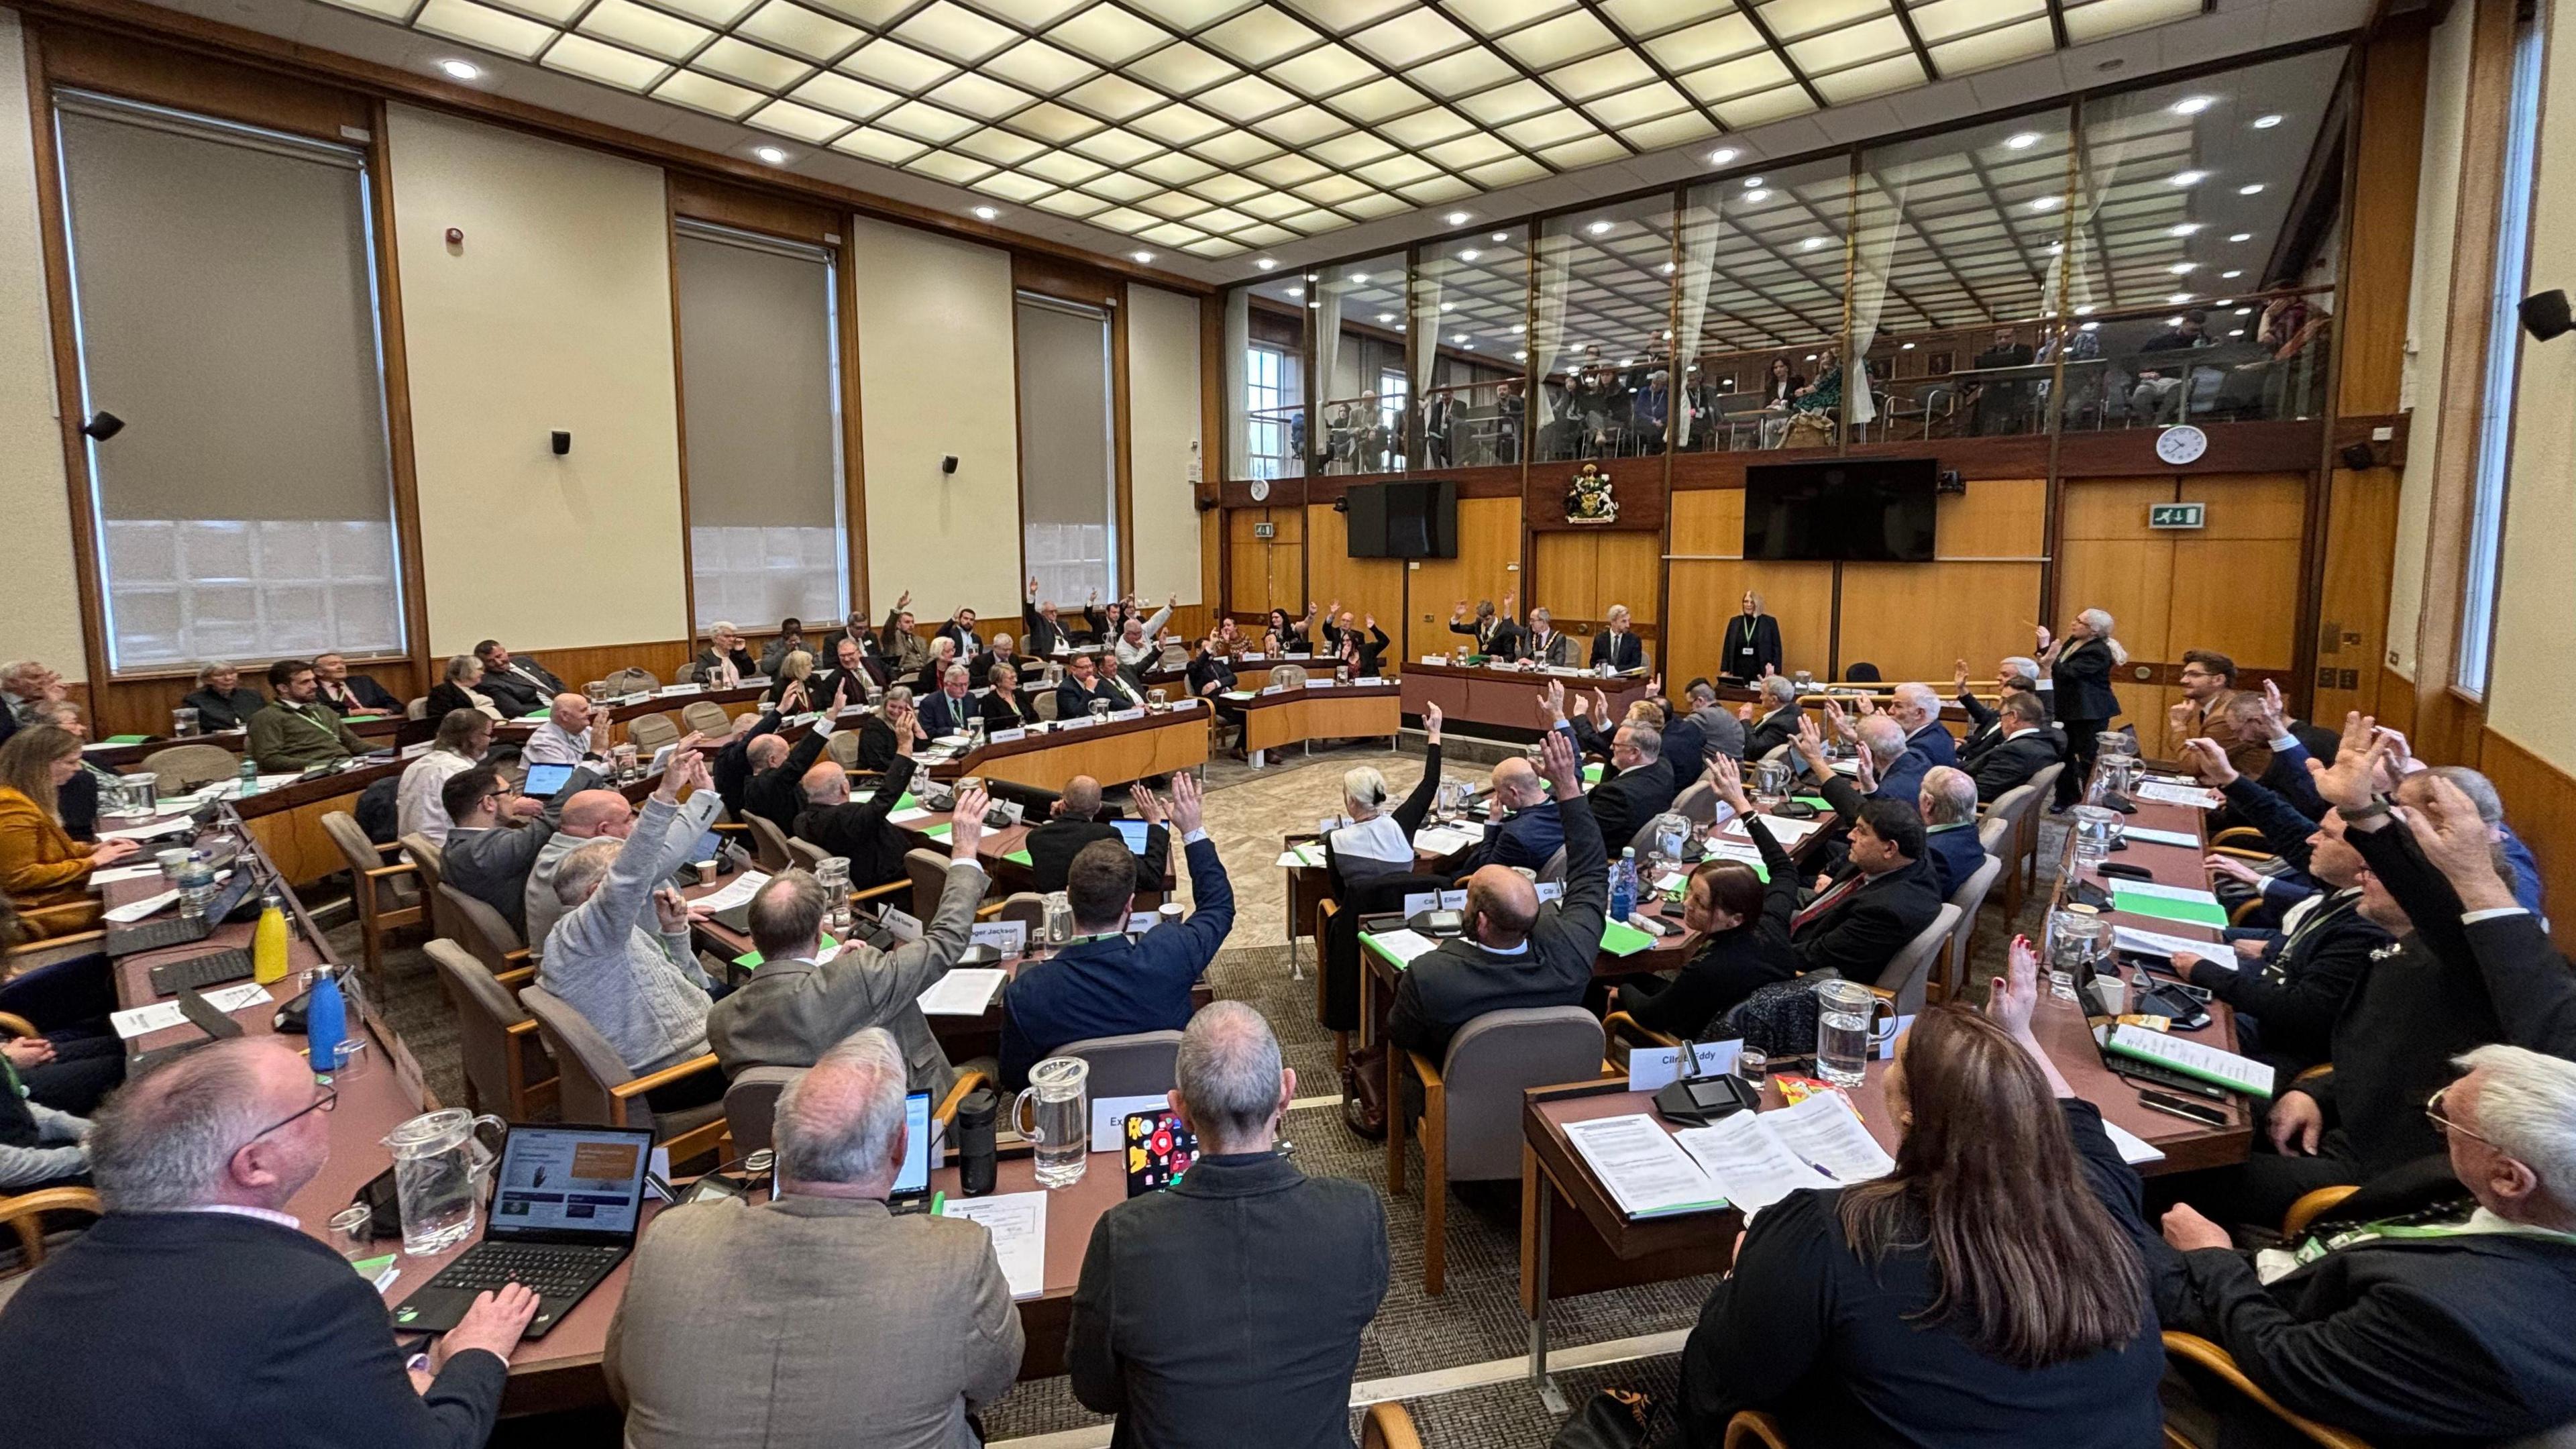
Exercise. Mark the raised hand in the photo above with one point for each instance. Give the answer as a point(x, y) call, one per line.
point(1457, 611)
point(1431, 724)
point(1185, 802)
point(2347, 784)
point(2178, 715)
point(1148, 805)
point(1959, 675)
point(1810, 744)
point(2276, 716)
point(1726, 777)
point(1551, 701)
point(2013, 996)
point(966, 822)
point(2458, 844)
point(2209, 761)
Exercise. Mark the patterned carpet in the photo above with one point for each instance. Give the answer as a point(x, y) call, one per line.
point(1476, 1321)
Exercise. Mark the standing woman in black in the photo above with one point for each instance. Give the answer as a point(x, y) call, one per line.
point(2079, 666)
point(1989, 1291)
point(1752, 646)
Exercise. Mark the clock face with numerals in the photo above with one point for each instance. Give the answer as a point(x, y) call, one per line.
point(1260, 489)
point(2181, 444)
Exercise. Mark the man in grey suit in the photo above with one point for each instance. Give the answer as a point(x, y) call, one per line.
point(794, 1008)
point(1723, 731)
point(1227, 1309)
point(816, 1317)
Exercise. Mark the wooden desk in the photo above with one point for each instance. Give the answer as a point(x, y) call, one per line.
point(1505, 699)
point(1272, 719)
point(1071, 1214)
point(287, 821)
point(1595, 1246)
point(1115, 753)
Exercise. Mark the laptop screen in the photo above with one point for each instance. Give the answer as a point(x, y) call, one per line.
point(235, 890)
point(1133, 832)
point(571, 1179)
point(914, 1179)
point(544, 780)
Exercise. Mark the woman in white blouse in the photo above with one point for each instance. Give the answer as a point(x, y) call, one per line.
point(1379, 841)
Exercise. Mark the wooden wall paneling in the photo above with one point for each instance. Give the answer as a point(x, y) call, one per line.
point(1486, 568)
point(2378, 263)
point(126, 66)
point(577, 667)
point(1068, 280)
point(1914, 621)
point(2540, 801)
point(1566, 580)
point(701, 198)
point(1709, 521)
point(1364, 586)
point(1627, 570)
point(2108, 559)
point(1996, 518)
point(1267, 571)
point(1706, 592)
point(2236, 582)
point(397, 385)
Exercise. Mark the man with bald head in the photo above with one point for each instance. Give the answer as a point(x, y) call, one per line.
point(1521, 824)
point(1078, 819)
point(1514, 952)
point(199, 1313)
point(773, 770)
point(587, 815)
point(1640, 785)
point(743, 1322)
point(1918, 710)
point(565, 737)
point(858, 831)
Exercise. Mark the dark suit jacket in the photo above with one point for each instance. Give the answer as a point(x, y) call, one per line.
point(224, 711)
point(858, 831)
point(493, 865)
point(1623, 651)
point(999, 713)
point(2012, 762)
point(1751, 645)
point(2294, 998)
point(1765, 735)
point(1072, 701)
point(731, 765)
point(2082, 675)
point(1462, 980)
point(1110, 986)
point(204, 1330)
point(1627, 800)
point(1195, 1329)
point(777, 794)
point(944, 716)
point(2433, 1343)
point(1210, 671)
point(364, 696)
point(1053, 845)
point(1866, 928)
point(1526, 837)
point(518, 695)
point(1935, 743)
point(1497, 638)
point(1558, 650)
point(1037, 636)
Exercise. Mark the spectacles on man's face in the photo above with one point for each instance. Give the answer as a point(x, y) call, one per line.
point(2443, 1124)
point(328, 1101)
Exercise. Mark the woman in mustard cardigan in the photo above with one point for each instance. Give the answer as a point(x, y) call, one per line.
point(41, 868)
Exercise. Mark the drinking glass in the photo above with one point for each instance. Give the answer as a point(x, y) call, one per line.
point(1059, 918)
point(183, 722)
point(2079, 942)
point(1846, 1013)
point(833, 871)
point(353, 1233)
point(1054, 1113)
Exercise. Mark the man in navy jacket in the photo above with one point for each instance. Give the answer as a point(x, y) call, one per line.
point(198, 1313)
point(1105, 984)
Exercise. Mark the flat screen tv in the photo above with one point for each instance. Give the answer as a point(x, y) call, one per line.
point(1403, 520)
point(1853, 510)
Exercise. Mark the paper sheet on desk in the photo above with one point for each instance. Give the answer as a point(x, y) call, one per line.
point(1786, 831)
point(162, 1015)
point(1443, 840)
point(907, 817)
point(1302, 857)
point(1827, 1131)
point(1402, 946)
point(964, 991)
point(153, 831)
point(1646, 1170)
point(2161, 837)
point(132, 911)
point(737, 891)
point(2165, 794)
point(1109, 1117)
point(115, 873)
point(1017, 1221)
point(2134, 1149)
point(2161, 946)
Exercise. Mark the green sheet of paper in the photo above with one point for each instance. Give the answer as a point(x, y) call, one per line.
point(125, 739)
point(370, 1268)
point(939, 831)
point(1621, 939)
point(750, 960)
point(2198, 913)
point(1592, 774)
point(536, 714)
point(1019, 857)
point(1817, 802)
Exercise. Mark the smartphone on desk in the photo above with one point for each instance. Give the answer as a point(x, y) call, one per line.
point(2173, 1106)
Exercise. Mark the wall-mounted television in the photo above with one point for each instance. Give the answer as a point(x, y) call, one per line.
point(1403, 520)
point(1854, 510)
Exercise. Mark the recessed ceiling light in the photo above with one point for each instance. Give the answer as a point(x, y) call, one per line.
point(987, 213)
point(1459, 341)
point(1142, 258)
point(2088, 327)
point(1811, 243)
point(1598, 228)
point(1520, 357)
point(1500, 236)
point(2256, 189)
point(2265, 123)
point(1466, 346)
point(1519, 327)
point(2193, 105)
point(2239, 332)
point(1757, 196)
point(770, 154)
point(1666, 269)
point(2187, 178)
point(1266, 263)
point(1722, 155)
point(1296, 291)
point(2244, 311)
point(2178, 298)
point(1448, 306)
point(1905, 347)
point(1359, 279)
point(2183, 269)
point(1457, 218)
point(461, 69)
point(1469, 255)
point(2084, 311)
point(1752, 183)
point(2242, 236)
point(2046, 203)
point(2231, 276)
point(1314, 306)
point(2186, 228)
point(2022, 141)
point(1385, 317)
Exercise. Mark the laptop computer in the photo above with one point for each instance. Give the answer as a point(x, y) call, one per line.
point(1134, 833)
point(166, 931)
point(544, 780)
point(566, 1204)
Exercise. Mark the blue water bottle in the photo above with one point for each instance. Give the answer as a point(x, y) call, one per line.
point(326, 1021)
point(1623, 885)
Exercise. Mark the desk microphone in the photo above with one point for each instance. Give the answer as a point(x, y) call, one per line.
point(974, 1129)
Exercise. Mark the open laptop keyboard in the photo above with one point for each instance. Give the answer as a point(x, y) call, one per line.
point(551, 1270)
point(212, 969)
point(154, 935)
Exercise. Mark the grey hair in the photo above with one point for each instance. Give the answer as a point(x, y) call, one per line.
point(2526, 1110)
point(1617, 611)
point(21, 668)
point(943, 646)
point(787, 913)
point(579, 873)
point(954, 671)
point(2100, 622)
point(2480, 790)
point(2021, 664)
point(1952, 794)
point(206, 672)
point(1228, 1071)
point(164, 1142)
point(1644, 741)
point(1780, 689)
point(721, 627)
point(1536, 614)
point(838, 1121)
point(898, 694)
point(1885, 738)
point(462, 666)
point(1365, 786)
point(1921, 696)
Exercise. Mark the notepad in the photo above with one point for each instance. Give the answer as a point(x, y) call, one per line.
point(1647, 1173)
point(1741, 854)
point(2191, 1058)
point(907, 817)
point(737, 891)
point(1592, 774)
point(1399, 946)
point(153, 831)
point(1621, 939)
point(964, 991)
point(2160, 946)
point(2182, 838)
point(2134, 1149)
point(2177, 794)
point(1785, 831)
point(1017, 1221)
point(1305, 856)
point(1440, 840)
point(133, 911)
point(162, 1015)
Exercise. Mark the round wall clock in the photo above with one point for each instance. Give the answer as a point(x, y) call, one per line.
point(1260, 490)
point(2181, 444)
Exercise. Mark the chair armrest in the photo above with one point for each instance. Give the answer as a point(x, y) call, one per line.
point(2321, 1069)
point(1424, 1070)
point(872, 892)
point(946, 1111)
point(1619, 1025)
point(2203, 1354)
point(389, 847)
point(1388, 1426)
point(728, 827)
point(16, 1025)
point(516, 979)
point(2312, 1206)
point(26, 1212)
point(527, 1027)
point(388, 872)
point(990, 909)
point(633, 1087)
point(2237, 835)
point(2241, 852)
point(1751, 1427)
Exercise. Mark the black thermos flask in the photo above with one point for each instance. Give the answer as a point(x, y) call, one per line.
point(975, 1142)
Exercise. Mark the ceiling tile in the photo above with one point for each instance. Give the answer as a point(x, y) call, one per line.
point(1438, 189)
point(635, 27)
point(1040, 66)
point(1352, 151)
point(497, 30)
point(799, 31)
point(1468, 151)
point(1235, 148)
point(1260, 35)
point(1796, 19)
point(1323, 70)
point(1173, 234)
point(1173, 204)
point(1177, 125)
point(1554, 42)
point(949, 166)
point(706, 93)
point(1553, 128)
point(1183, 68)
point(893, 64)
point(1215, 248)
point(1227, 188)
point(1723, 38)
point(1427, 127)
point(1629, 108)
point(1851, 45)
point(717, 14)
point(1860, 82)
point(928, 122)
point(1745, 112)
point(1397, 171)
point(1601, 75)
point(2101, 19)
point(1378, 100)
point(1273, 204)
point(1288, 170)
point(594, 60)
point(1992, 48)
point(1012, 186)
point(740, 60)
point(1222, 219)
point(1942, 20)
point(1116, 147)
point(1457, 75)
point(1325, 190)
point(998, 145)
point(1063, 167)
point(1027, 14)
point(1108, 35)
point(946, 28)
point(1493, 17)
point(1645, 17)
point(1675, 130)
point(1340, 16)
point(881, 146)
point(1410, 38)
point(864, 12)
point(553, 12)
point(1126, 218)
point(1187, 15)
point(1071, 203)
point(1173, 168)
point(1246, 99)
point(1265, 235)
point(1591, 151)
point(1119, 186)
point(1316, 223)
point(1377, 204)
point(1510, 103)
point(1114, 96)
point(1507, 173)
point(1302, 126)
point(1050, 122)
point(977, 96)
point(1752, 74)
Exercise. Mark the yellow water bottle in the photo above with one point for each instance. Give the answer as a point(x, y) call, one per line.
point(268, 942)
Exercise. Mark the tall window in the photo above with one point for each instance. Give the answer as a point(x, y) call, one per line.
point(1270, 394)
point(1068, 450)
point(1391, 393)
point(760, 381)
point(2504, 357)
point(224, 300)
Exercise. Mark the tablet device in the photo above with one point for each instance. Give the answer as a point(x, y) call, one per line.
point(544, 780)
point(1133, 832)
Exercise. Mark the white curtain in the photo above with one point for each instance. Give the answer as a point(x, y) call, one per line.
point(1547, 329)
point(1703, 228)
point(1238, 391)
point(1426, 329)
point(1879, 223)
point(2081, 277)
point(1328, 346)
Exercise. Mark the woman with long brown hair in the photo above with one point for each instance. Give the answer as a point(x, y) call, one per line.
point(1988, 1291)
point(44, 871)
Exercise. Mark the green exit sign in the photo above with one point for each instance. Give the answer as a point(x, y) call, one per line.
point(2177, 515)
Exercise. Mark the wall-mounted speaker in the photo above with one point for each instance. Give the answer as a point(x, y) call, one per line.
point(561, 442)
point(102, 425)
point(2357, 456)
point(948, 464)
point(2545, 315)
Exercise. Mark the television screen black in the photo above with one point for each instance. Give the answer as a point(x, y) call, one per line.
point(1403, 520)
point(1855, 510)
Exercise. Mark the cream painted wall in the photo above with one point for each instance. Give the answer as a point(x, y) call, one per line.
point(1163, 428)
point(2527, 693)
point(936, 379)
point(2437, 201)
point(44, 620)
point(555, 312)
